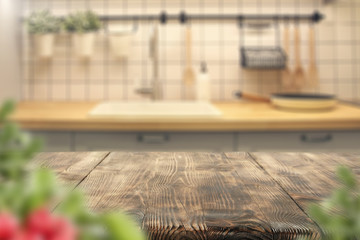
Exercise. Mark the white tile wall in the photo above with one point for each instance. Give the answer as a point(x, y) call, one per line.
point(104, 77)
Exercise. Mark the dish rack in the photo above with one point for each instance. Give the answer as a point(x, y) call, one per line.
point(262, 57)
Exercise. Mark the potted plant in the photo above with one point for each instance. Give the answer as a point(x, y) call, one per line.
point(83, 26)
point(43, 26)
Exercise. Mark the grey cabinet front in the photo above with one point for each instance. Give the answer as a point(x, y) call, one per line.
point(198, 142)
point(304, 141)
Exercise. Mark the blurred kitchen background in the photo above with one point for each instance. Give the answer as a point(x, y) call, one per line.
point(104, 76)
point(215, 42)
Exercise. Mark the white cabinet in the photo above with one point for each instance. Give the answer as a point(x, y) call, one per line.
point(308, 141)
point(100, 141)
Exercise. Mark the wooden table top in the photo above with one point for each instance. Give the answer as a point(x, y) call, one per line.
point(206, 195)
point(237, 116)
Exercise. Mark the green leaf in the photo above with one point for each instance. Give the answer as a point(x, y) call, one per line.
point(9, 133)
point(7, 108)
point(346, 176)
point(121, 226)
point(42, 190)
point(32, 148)
point(42, 22)
point(342, 198)
point(73, 206)
point(318, 213)
point(82, 22)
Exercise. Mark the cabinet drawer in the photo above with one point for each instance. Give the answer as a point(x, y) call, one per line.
point(55, 141)
point(299, 141)
point(99, 141)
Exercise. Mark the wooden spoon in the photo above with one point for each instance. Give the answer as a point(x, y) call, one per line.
point(299, 75)
point(189, 73)
point(313, 77)
point(286, 73)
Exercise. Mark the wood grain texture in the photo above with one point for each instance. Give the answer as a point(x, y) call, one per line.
point(236, 116)
point(306, 177)
point(285, 218)
point(206, 195)
point(70, 167)
point(197, 196)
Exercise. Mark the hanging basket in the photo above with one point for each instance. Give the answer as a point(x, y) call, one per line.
point(262, 57)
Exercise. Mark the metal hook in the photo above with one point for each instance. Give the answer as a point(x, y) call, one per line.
point(183, 18)
point(136, 25)
point(241, 21)
point(163, 17)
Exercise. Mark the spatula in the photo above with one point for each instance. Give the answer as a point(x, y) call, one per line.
point(299, 75)
point(189, 74)
point(313, 77)
point(286, 73)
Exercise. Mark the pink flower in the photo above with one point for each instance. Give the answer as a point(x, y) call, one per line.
point(40, 222)
point(64, 230)
point(8, 226)
point(45, 226)
point(40, 225)
point(25, 236)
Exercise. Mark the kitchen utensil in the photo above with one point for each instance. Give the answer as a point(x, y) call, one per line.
point(304, 102)
point(294, 101)
point(262, 57)
point(189, 73)
point(154, 56)
point(252, 97)
point(299, 75)
point(313, 77)
point(286, 75)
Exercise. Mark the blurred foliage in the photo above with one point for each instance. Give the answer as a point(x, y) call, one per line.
point(16, 147)
point(25, 191)
point(42, 22)
point(82, 22)
point(339, 215)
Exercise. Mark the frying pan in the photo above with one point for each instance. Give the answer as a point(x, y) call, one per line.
point(295, 101)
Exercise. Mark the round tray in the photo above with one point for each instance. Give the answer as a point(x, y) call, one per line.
point(304, 101)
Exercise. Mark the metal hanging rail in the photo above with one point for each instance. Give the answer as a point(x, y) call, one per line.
point(184, 17)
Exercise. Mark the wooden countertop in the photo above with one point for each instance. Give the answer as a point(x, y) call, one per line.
point(237, 116)
point(206, 195)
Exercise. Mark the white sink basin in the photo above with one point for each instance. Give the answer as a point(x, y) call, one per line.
point(154, 109)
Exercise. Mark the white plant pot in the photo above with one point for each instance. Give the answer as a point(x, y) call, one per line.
point(83, 44)
point(44, 45)
point(121, 45)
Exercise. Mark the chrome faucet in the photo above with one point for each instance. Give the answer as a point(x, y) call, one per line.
point(155, 91)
